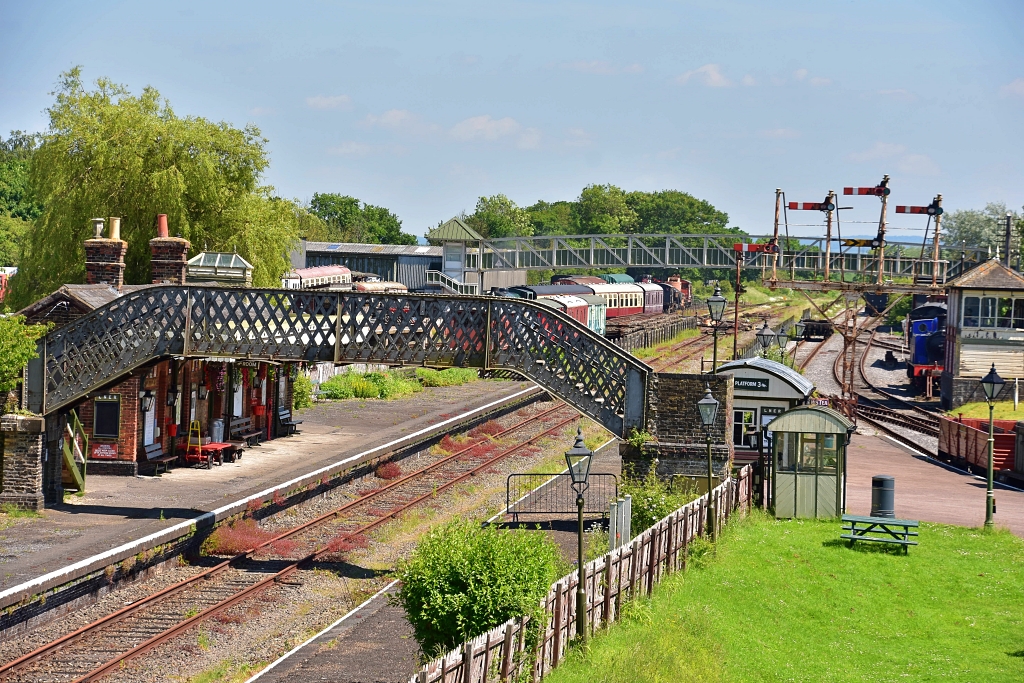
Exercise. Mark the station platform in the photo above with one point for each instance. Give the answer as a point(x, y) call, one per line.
point(122, 516)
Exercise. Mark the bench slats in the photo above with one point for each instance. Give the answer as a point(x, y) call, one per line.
point(878, 540)
point(881, 520)
point(880, 531)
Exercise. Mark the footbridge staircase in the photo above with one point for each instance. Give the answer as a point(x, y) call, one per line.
point(137, 329)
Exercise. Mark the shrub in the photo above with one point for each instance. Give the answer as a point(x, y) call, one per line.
point(464, 579)
point(343, 543)
point(236, 537)
point(489, 428)
point(653, 498)
point(450, 377)
point(302, 392)
point(370, 385)
point(388, 470)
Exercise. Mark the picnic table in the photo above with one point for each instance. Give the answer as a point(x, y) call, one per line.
point(880, 530)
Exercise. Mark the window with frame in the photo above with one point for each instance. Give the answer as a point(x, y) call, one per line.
point(106, 417)
point(993, 312)
point(742, 423)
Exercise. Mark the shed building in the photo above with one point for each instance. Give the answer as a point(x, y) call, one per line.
point(984, 325)
point(407, 264)
point(763, 390)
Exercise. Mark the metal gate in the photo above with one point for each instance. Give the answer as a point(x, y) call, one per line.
point(552, 494)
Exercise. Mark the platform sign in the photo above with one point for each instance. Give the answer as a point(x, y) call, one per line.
point(103, 451)
point(751, 383)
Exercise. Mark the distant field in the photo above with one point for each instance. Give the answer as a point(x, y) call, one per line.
point(787, 601)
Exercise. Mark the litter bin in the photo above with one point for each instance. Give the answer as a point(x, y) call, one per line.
point(883, 496)
point(217, 435)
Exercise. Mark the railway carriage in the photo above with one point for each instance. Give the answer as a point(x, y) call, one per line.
point(573, 306)
point(317, 277)
point(626, 299)
point(654, 297)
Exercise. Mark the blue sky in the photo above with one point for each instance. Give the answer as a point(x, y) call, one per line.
point(423, 107)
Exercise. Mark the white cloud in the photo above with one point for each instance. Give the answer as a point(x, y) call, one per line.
point(529, 139)
point(1014, 88)
point(578, 138)
point(402, 121)
point(484, 128)
point(918, 164)
point(599, 68)
point(817, 80)
point(912, 164)
point(780, 134)
point(748, 80)
point(709, 74)
point(343, 102)
point(800, 74)
point(880, 150)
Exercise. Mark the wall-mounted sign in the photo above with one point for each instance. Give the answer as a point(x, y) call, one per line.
point(820, 402)
point(103, 451)
point(773, 410)
point(750, 383)
point(249, 363)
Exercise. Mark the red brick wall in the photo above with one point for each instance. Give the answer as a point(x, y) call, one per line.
point(128, 439)
point(169, 257)
point(104, 262)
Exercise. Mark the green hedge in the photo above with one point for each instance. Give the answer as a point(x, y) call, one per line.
point(451, 377)
point(370, 385)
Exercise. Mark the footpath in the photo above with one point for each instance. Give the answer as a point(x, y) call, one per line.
point(82, 534)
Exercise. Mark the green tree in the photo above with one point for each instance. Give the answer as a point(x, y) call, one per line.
point(346, 219)
point(498, 216)
point(12, 236)
point(108, 152)
point(978, 228)
point(17, 347)
point(15, 194)
point(603, 209)
point(554, 218)
point(672, 211)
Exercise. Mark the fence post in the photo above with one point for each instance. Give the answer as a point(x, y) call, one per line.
point(506, 653)
point(487, 657)
point(607, 609)
point(632, 569)
point(556, 643)
point(652, 559)
point(613, 518)
point(627, 519)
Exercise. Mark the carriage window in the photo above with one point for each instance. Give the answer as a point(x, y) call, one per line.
point(988, 311)
point(1005, 312)
point(972, 305)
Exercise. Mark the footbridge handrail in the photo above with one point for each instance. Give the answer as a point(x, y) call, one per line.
point(137, 329)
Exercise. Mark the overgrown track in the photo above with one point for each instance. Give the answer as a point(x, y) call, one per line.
point(106, 644)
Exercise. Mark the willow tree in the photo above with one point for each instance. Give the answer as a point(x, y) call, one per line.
point(108, 152)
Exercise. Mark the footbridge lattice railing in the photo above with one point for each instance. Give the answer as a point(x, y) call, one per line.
point(137, 329)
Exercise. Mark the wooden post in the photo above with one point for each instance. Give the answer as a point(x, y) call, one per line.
point(686, 535)
point(618, 582)
point(556, 643)
point(632, 568)
point(935, 244)
point(421, 677)
point(670, 544)
point(775, 256)
point(831, 199)
point(487, 657)
point(467, 662)
point(652, 561)
point(506, 653)
point(607, 608)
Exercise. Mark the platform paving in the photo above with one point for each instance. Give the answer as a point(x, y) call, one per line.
point(118, 510)
point(925, 489)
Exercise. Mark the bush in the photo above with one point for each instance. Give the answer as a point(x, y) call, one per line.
point(388, 470)
point(371, 385)
point(464, 579)
point(302, 392)
point(236, 537)
point(653, 498)
point(450, 377)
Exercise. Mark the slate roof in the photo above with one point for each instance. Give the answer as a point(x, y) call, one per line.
point(84, 298)
point(991, 274)
point(454, 230)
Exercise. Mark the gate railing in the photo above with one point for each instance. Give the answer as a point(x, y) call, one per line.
point(537, 494)
point(582, 368)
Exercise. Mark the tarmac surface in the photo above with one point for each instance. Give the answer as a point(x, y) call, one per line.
point(925, 489)
point(117, 510)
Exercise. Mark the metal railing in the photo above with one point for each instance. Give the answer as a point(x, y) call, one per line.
point(552, 494)
point(450, 284)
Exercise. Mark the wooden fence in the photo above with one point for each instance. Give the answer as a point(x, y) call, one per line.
point(643, 338)
point(621, 575)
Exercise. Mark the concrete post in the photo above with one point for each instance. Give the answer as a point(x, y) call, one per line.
point(22, 474)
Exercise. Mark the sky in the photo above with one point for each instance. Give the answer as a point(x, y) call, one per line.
point(423, 107)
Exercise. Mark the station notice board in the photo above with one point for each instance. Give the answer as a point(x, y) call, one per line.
point(103, 451)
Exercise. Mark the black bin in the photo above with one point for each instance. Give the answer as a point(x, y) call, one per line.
point(883, 496)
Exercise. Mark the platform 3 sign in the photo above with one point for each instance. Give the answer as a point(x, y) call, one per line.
point(750, 383)
point(103, 451)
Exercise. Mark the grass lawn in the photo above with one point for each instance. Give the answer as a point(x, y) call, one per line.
point(1003, 411)
point(787, 601)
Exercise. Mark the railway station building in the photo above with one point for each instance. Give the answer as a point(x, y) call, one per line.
point(984, 325)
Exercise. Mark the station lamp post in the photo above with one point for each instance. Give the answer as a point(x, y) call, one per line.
point(708, 408)
point(765, 337)
point(991, 384)
point(716, 308)
point(578, 458)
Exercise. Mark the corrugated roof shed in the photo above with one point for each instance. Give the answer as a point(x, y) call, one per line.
point(384, 249)
point(811, 420)
point(991, 274)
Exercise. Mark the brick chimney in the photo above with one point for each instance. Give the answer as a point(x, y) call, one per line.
point(104, 256)
point(169, 255)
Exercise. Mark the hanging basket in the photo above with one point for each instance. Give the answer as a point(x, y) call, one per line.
point(259, 410)
point(172, 430)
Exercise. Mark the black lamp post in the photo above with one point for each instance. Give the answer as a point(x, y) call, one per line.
point(708, 408)
point(578, 458)
point(765, 337)
point(716, 308)
point(991, 384)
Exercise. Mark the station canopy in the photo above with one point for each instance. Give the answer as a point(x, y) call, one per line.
point(794, 379)
point(811, 420)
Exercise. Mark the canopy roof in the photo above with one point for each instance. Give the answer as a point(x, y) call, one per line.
point(454, 230)
point(811, 420)
point(786, 374)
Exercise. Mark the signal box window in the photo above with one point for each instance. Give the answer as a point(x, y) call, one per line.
point(742, 423)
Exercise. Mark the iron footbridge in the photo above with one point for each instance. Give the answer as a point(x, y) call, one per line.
point(138, 329)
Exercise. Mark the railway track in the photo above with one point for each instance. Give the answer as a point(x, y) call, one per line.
point(105, 645)
point(693, 347)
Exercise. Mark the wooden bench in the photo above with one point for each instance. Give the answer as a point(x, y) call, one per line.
point(242, 430)
point(882, 530)
point(154, 455)
point(284, 416)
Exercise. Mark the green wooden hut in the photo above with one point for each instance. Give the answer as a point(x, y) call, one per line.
point(809, 462)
